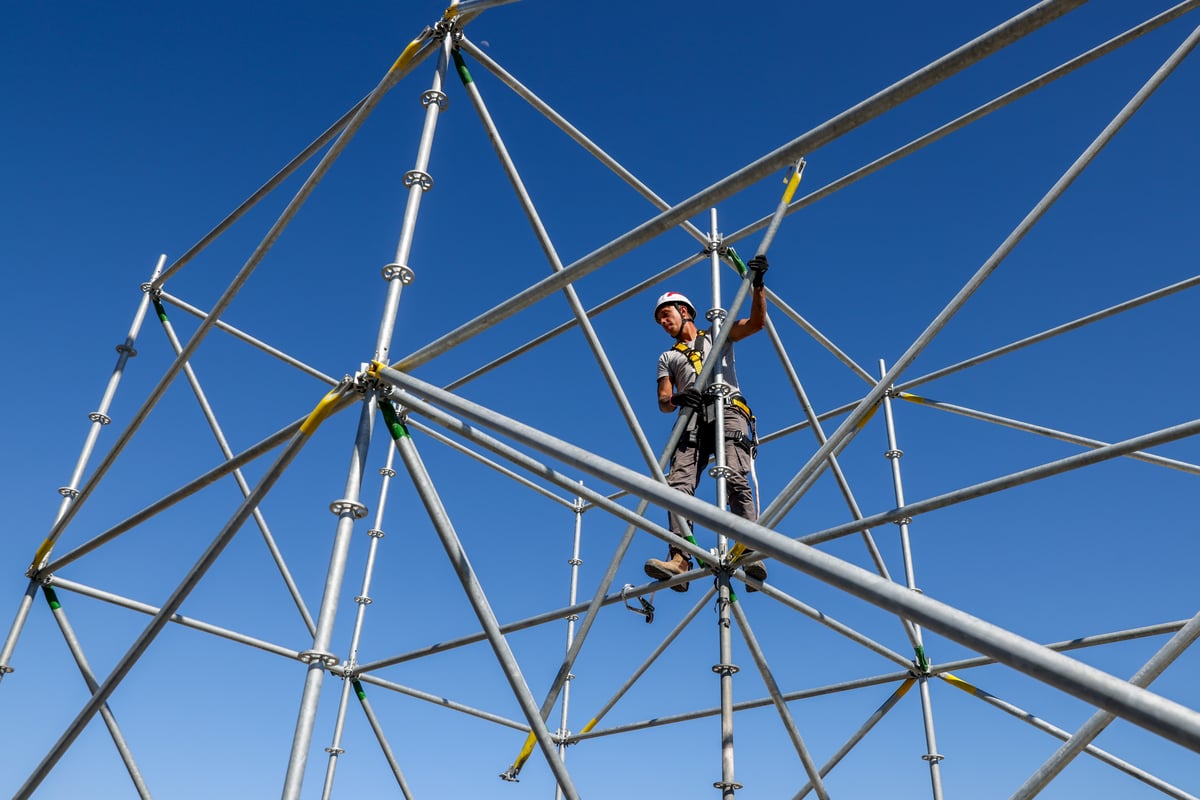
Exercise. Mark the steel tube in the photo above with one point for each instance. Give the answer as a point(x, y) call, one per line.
point(821, 691)
point(1049, 433)
point(184, 492)
point(1157, 714)
point(347, 509)
point(835, 468)
point(350, 119)
point(85, 669)
point(169, 608)
point(237, 333)
point(848, 120)
point(785, 715)
point(505, 471)
point(443, 702)
point(225, 299)
point(243, 485)
point(187, 622)
point(363, 599)
point(1096, 724)
point(645, 665)
point(858, 735)
point(483, 610)
point(1059, 733)
point(932, 756)
point(850, 425)
point(386, 748)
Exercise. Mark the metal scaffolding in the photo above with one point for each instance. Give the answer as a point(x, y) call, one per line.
point(421, 417)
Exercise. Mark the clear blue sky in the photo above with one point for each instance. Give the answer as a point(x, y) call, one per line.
point(131, 134)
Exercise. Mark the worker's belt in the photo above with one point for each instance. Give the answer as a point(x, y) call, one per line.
point(739, 402)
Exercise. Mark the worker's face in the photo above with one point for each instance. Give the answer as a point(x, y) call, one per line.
point(671, 320)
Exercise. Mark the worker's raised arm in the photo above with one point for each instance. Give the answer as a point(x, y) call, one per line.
point(754, 323)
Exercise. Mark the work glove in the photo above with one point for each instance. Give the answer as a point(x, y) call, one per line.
point(690, 398)
point(758, 266)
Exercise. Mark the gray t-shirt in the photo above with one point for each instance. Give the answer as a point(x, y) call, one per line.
point(678, 367)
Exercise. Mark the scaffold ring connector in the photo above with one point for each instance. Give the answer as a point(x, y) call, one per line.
point(96, 416)
point(715, 313)
point(893, 454)
point(340, 507)
point(418, 177)
point(124, 348)
point(933, 758)
point(726, 669)
point(387, 472)
point(68, 491)
point(575, 562)
point(334, 751)
point(375, 533)
point(903, 521)
point(312, 656)
point(401, 272)
point(431, 96)
point(726, 786)
point(5, 669)
point(720, 472)
point(363, 600)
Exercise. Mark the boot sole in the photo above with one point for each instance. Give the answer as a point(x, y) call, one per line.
point(663, 575)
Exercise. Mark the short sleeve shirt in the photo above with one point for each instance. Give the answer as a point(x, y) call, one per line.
point(678, 367)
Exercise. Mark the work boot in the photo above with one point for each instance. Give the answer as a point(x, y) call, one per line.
point(677, 563)
point(756, 571)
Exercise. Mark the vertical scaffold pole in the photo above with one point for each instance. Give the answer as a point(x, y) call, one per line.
point(398, 275)
point(921, 663)
point(576, 563)
point(363, 599)
point(99, 419)
point(715, 393)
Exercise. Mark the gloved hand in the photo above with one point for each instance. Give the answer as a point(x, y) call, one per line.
point(758, 266)
point(690, 398)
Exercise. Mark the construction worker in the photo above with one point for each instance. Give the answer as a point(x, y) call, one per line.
point(677, 371)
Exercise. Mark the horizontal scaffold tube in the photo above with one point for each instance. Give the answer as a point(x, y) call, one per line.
point(1139, 706)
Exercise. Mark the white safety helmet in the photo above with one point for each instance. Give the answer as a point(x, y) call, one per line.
point(674, 299)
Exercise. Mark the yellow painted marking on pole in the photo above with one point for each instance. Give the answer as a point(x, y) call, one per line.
point(43, 554)
point(904, 687)
point(526, 751)
point(954, 680)
point(321, 412)
point(590, 725)
point(408, 53)
point(737, 551)
point(914, 398)
point(863, 422)
point(793, 181)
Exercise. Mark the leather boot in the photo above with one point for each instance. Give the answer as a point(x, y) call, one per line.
point(755, 570)
point(677, 563)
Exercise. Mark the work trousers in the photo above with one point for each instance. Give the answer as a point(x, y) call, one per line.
point(691, 457)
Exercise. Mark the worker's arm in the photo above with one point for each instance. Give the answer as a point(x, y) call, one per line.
point(754, 323)
point(665, 390)
point(758, 303)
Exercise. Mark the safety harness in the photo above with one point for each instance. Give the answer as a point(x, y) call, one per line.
point(696, 358)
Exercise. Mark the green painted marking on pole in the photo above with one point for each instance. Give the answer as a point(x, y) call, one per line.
point(692, 539)
point(463, 73)
point(158, 308)
point(395, 427)
point(922, 659)
point(358, 690)
point(51, 598)
point(737, 261)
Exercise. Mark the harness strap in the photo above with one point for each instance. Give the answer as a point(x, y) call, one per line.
point(694, 356)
